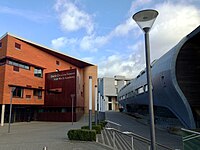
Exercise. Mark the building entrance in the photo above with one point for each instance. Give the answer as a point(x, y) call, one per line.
point(109, 106)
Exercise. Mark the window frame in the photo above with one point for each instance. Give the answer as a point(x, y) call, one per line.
point(37, 73)
point(57, 62)
point(140, 90)
point(17, 46)
point(18, 92)
point(16, 68)
point(18, 64)
point(116, 82)
point(37, 93)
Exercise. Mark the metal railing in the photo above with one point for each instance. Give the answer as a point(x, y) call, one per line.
point(191, 139)
point(128, 140)
point(111, 124)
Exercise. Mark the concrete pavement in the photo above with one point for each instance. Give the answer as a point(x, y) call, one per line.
point(36, 135)
point(129, 123)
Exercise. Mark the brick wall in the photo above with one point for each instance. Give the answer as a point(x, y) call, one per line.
point(90, 71)
point(4, 47)
point(2, 68)
point(33, 55)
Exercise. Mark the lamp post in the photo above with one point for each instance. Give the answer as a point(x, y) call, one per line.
point(10, 114)
point(72, 97)
point(96, 111)
point(90, 102)
point(145, 20)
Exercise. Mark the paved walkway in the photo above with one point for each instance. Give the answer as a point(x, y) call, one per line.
point(131, 124)
point(36, 135)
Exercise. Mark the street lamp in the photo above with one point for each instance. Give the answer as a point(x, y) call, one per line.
point(96, 104)
point(90, 102)
point(10, 114)
point(72, 97)
point(145, 20)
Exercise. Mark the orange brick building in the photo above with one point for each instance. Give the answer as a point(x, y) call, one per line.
point(24, 64)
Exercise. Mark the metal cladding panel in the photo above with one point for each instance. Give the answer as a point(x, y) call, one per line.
point(167, 90)
point(59, 87)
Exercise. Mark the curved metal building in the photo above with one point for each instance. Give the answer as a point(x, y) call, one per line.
point(176, 82)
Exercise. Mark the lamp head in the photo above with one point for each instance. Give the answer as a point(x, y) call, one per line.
point(145, 19)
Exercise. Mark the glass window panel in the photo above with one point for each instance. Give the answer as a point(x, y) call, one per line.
point(17, 46)
point(18, 92)
point(38, 72)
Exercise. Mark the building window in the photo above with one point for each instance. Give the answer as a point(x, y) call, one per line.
point(146, 88)
point(28, 96)
point(109, 99)
point(38, 72)
point(115, 82)
point(2, 62)
point(57, 62)
point(14, 63)
point(140, 90)
point(15, 68)
point(17, 46)
point(109, 106)
point(18, 92)
point(0, 45)
point(38, 93)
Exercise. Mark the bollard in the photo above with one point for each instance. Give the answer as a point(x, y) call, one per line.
point(45, 148)
point(149, 147)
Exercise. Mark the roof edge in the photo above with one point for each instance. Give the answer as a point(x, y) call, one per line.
point(45, 47)
point(4, 35)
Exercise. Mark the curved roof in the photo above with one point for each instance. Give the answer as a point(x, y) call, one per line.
point(175, 79)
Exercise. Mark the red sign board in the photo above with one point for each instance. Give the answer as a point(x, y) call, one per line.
point(59, 86)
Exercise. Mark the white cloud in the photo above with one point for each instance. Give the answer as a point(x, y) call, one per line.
point(175, 20)
point(72, 18)
point(116, 64)
point(88, 59)
point(89, 43)
point(138, 3)
point(171, 26)
point(62, 42)
point(92, 42)
point(124, 28)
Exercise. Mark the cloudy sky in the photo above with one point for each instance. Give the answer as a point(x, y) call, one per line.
point(101, 32)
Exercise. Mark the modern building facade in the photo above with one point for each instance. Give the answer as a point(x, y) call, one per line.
point(108, 88)
point(176, 84)
point(43, 82)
